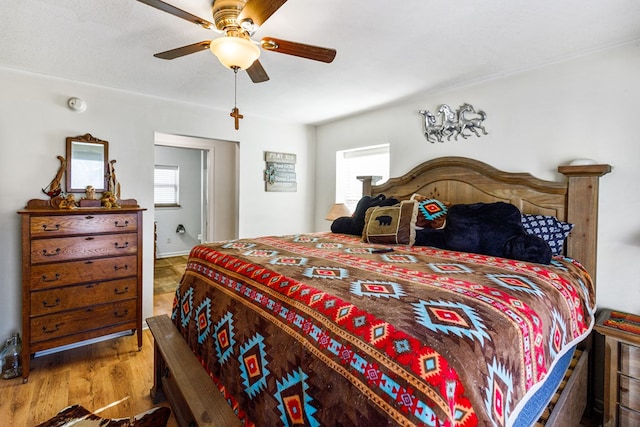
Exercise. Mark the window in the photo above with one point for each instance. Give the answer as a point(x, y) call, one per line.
point(166, 185)
point(373, 160)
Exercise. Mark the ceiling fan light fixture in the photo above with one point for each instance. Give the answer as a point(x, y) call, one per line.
point(235, 52)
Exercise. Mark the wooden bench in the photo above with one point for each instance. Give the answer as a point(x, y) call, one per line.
point(179, 378)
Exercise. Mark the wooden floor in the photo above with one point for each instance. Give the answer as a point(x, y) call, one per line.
point(110, 378)
point(110, 375)
point(167, 273)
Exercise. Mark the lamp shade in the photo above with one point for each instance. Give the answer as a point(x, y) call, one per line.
point(337, 210)
point(234, 51)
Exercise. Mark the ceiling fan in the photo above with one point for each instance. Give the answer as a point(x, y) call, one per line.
point(238, 20)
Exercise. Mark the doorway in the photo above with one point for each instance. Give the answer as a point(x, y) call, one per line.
point(211, 184)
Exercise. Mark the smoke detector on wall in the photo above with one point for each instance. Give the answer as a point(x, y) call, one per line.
point(77, 104)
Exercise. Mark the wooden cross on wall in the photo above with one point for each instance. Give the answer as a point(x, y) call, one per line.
point(235, 113)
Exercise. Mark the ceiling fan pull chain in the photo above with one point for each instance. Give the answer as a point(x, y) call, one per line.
point(235, 87)
point(235, 113)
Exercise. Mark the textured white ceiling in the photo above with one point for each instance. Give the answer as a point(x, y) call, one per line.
point(387, 50)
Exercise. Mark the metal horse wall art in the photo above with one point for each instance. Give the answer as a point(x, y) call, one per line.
point(453, 123)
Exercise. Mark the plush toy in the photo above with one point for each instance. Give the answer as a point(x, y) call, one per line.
point(108, 200)
point(493, 229)
point(68, 202)
point(355, 224)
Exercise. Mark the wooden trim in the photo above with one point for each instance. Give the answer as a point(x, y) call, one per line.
point(83, 204)
point(463, 180)
point(139, 282)
point(582, 211)
point(180, 378)
point(573, 400)
point(459, 180)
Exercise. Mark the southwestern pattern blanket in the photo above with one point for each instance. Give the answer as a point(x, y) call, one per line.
point(322, 329)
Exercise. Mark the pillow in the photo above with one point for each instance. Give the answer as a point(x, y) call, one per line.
point(549, 228)
point(355, 223)
point(432, 213)
point(391, 224)
point(493, 229)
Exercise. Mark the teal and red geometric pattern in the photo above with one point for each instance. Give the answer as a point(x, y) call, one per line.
point(320, 329)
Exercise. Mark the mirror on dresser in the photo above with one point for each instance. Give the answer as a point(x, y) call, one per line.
point(87, 164)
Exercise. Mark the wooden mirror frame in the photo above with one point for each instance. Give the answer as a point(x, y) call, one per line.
point(100, 183)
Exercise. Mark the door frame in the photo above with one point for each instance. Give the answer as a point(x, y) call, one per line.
point(207, 145)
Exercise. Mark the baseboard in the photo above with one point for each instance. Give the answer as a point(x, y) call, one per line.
point(172, 254)
point(82, 343)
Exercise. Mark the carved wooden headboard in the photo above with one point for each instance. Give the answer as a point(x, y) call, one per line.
point(462, 180)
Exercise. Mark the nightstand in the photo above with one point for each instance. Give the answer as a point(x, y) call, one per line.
point(622, 368)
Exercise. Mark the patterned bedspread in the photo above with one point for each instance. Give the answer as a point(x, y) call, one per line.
point(323, 330)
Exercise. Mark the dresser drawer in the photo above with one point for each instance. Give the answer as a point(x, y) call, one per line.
point(62, 225)
point(630, 360)
point(72, 297)
point(71, 248)
point(54, 326)
point(68, 273)
point(628, 418)
point(630, 392)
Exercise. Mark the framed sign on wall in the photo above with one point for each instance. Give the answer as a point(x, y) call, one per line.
point(280, 172)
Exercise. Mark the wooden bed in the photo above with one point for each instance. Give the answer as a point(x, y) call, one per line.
point(457, 180)
point(573, 200)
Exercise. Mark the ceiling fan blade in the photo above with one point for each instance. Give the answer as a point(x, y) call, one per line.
point(257, 73)
point(316, 53)
point(184, 50)
point(259, 10)
point(166, 7)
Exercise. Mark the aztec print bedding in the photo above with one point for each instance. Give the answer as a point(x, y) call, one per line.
point(322, 330)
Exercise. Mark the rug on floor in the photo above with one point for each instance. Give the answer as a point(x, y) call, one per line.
point(78, 416)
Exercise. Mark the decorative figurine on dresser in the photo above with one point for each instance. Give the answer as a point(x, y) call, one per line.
point(81, 260)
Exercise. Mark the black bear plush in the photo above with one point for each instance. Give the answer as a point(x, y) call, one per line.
point(493, 229)
point(355, 224)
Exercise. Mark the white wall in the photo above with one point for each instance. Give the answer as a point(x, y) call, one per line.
point(34, 122)
point(587, 107)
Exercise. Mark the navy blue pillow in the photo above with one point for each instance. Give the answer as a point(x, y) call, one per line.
point(548, 228)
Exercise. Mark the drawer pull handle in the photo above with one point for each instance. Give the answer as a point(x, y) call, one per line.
point(89, 238)
point(118, 246)
point(47, 305)
point(54, 279)
point(118, 314)
point(45, 227)
point(166, 373)
point(126, 223)
point(55, 304)
point(117, 292)
point(47, 253)
point(88, 262)
point(88, 217)
point(116, 268)
point(46, 330)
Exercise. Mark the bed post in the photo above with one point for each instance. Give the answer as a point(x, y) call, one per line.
point(367, 182)
point(582, 211)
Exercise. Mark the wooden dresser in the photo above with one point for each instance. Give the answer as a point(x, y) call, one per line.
point(621, 375)
point(81, 275)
